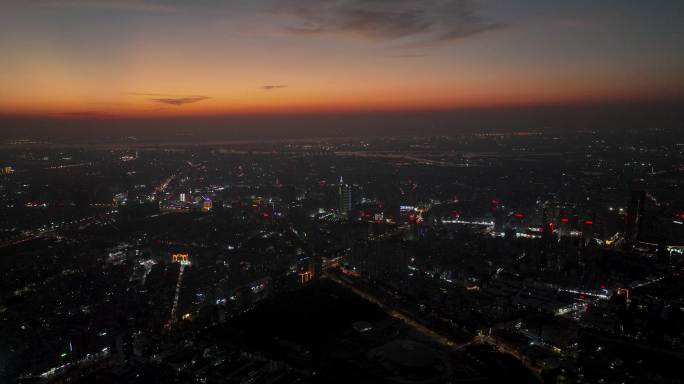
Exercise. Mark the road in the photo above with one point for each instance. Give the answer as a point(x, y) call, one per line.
point(55, 229)
point(441, 339)
point(176, 296)
point(425, 330)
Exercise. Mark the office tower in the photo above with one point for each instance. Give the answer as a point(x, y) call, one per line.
point(345, 196)
point(635, 212)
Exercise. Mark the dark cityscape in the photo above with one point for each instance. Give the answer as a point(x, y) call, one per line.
point(311, 230)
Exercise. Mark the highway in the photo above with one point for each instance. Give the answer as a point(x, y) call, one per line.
point(441, 339)
point(425, 330)
point(54, 230)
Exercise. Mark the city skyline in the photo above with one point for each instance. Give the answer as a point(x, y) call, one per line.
point(341, 191)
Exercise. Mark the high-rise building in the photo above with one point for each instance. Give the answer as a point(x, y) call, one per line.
point(635, 212)
point(182, 197)
point(345, 195)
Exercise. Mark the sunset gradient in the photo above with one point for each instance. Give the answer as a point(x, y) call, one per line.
point(108, 59)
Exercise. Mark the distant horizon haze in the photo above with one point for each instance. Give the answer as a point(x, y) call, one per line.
point(540, 118)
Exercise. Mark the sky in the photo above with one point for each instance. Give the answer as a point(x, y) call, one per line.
point(108, 59)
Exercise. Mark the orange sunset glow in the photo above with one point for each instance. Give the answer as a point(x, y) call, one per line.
point(147, 59)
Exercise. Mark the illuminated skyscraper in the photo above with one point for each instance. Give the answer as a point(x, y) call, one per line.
point(345, 195)
point(635, 212)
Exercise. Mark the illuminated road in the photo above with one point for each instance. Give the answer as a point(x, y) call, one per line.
point(53, 231)
point(174, 308)
point(430, 333)
point(441, 339)
point(397, 156)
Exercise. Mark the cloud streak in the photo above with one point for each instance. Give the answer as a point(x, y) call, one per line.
point(429, 21)
point(271, 87)
point(88, 114)
point(175, 100)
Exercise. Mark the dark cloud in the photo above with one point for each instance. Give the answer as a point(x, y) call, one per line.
point(176, 100)
point(273, 86)
point(420, 20)
point(180, 100)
